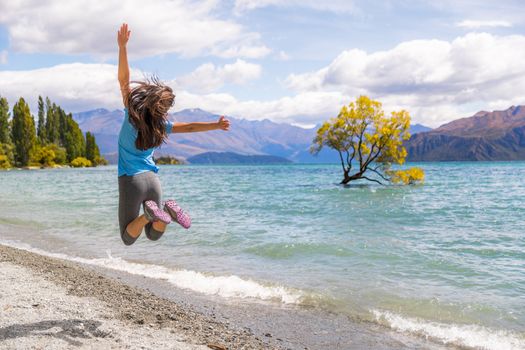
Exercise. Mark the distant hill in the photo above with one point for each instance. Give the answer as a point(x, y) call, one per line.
point(417, 128)
point(234, 158)
point(247, 137)
point(498, 135)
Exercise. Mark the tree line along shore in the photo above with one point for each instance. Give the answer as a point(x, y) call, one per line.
point(56, 140)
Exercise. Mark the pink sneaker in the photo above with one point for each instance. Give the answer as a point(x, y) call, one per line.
point(154, 213)
point(177, 214)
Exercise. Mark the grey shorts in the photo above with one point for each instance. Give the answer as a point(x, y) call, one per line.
point(133, 191)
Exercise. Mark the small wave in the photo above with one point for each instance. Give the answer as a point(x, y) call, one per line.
point(472, 336)
point(224, 286)
point(287, 250)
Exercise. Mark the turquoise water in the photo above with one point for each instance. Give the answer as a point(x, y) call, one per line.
point(444, 260)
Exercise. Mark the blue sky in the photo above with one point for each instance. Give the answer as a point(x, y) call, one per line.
point(291, 61)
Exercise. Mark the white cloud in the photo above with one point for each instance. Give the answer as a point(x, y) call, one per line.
point(306, 108)
point(208, 77)
point(471, 24)
point(75, 86)
point(338, 6)
point(80, 87)
point(3, 57)
point(435, 80)
point(185, 27)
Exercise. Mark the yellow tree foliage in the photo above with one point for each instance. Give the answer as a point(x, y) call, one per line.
point(408, 177)
point(368, 141)
point(81, 162)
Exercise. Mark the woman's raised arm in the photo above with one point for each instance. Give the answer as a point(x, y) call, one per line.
point(123, 67)
point(222, 124)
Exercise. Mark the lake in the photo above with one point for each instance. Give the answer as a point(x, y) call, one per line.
point(444, 260)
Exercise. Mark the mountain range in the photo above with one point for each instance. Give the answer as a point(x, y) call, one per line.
point(246, 137)
point(497, 135)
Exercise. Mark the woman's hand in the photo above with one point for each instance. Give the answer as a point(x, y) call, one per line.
point(223, 123)
point(123, 35)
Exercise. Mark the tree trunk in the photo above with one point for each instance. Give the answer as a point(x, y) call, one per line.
point(348, 178)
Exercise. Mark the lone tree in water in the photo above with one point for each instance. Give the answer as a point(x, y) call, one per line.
point(369, 142)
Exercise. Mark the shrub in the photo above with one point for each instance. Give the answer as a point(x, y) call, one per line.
point(6, 156)
point(4, 162)
point(47, 156)
point(81, 162)
point(99, 160)
point(167, 160)
point(42, 156)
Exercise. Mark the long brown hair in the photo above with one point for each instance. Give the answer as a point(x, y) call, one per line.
point(148, 105)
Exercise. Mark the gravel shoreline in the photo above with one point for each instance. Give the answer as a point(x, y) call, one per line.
point(137, 309)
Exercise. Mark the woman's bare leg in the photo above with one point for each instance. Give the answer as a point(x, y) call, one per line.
point(159, 226)
point(135, 227)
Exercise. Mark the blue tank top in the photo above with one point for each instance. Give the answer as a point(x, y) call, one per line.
point(131, 160)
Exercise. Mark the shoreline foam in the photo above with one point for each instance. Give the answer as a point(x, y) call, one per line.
point(223, 286)
point(469, 336)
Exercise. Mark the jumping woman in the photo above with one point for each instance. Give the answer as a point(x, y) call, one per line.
point(145, 128)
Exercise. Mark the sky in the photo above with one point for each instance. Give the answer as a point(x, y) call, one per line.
point(293, 61)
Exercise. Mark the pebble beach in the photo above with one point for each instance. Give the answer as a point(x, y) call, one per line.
point(49, 303)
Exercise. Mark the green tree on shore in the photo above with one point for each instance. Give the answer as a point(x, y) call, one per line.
point(62, 124)
point(92, 150)
point(41, 126)
point(4, 121)
point(52, 127)
point(67, 133)
point(73, 139)
point(57, 139)
point(6, 148)
point(23, 132)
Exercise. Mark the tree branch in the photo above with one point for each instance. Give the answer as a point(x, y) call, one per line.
point(374, 180)
point(377, 167)
point(378, 173)
point(353, 156)
point(371, 152)
point(348, 160)
point(359, 145)
point(374, 157)
point(342, 161)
